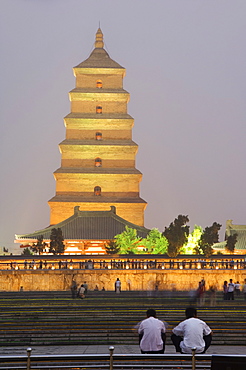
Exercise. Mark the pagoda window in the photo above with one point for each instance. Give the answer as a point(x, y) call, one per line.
point(99, 109)
point(99, 84)
point(98, 162)
point(97, 190)
point(98, 136)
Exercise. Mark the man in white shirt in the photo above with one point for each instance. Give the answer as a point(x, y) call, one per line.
point(231, 287)
point(191, 333)
point(152, 334)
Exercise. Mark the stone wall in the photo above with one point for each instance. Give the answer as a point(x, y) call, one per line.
point(12, 280)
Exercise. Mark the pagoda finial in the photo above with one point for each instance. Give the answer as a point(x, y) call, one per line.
point(99, 39)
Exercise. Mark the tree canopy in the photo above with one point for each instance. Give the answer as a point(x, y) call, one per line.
point(56, 241)
point(127, 241)
point(39, 246)
point(177, 235)
point(111, 247)
point(209, 237)
point(155, 242)
point(26, 252)
point(192, 242)
point(231, 242)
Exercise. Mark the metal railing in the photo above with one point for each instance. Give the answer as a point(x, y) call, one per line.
point(109, 361)
point(122, 361)
point(136, 263)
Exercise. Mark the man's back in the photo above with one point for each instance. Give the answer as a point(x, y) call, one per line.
point(151, 328)
point(192, 330)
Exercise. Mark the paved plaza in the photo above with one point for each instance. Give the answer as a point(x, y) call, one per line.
point(104, 349)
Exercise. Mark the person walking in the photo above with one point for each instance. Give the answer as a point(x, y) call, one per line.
point(237, 288)
point(86, 287)
point(212, 295)
point(244, 289)
point(201, 292)
point(152, 334)
point(225, 291)
point(117, 286)
point(81, 292)
point(191, 333)
point(74, 289)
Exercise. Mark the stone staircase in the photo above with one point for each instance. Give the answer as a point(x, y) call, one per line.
point(54, 318)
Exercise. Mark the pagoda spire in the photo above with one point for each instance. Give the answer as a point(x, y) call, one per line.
point(99, 39)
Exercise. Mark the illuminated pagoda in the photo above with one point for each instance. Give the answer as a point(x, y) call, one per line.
point(98, 154)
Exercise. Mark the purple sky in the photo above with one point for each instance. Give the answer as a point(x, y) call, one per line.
point(186, 73)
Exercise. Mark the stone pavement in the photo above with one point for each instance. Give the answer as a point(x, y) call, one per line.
point(103, 349)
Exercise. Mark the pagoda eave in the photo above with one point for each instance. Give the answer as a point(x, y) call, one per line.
point(102, 96)
point(98, 71)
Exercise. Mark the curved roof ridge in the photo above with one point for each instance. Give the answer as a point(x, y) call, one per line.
point(106, 229)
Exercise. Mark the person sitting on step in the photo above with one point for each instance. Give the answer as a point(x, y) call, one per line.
point(191, 333)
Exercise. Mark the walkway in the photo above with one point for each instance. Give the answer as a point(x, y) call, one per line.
point(103, 349)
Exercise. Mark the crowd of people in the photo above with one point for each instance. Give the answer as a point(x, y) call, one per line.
point(230, 290)
point(81, 291)
point(198, 296)
point(116, 264)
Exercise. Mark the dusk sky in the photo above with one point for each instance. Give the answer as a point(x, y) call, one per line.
point(185, 66)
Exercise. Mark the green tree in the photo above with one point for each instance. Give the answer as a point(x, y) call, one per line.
point(193, 239)
point(56, 241)
point(177, 235)
point(26, 252)
point(127, 241)
point(111, 247)
point(209, 237)
point(40, 246)
point(155, 242)
point(231, 242)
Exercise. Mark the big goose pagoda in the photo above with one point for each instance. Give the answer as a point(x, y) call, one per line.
point(97, 185)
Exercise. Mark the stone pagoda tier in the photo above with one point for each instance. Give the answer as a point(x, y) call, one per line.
point(98, 155)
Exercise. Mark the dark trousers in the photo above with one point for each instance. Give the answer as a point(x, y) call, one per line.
point(176, 339)
point(163, 337)
point(230, 296)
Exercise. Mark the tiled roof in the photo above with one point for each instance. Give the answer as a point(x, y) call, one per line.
point(98, 91)
point(99, 142)
point(99, 58)
point(89, 225)
point(109, 116)
point(220, 245)
point(241, 240)
point(91, 199)
point(97, 170)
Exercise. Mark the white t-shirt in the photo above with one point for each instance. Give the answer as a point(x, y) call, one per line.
point(192, 330)
point(231, 287)
point(117, 283)
point(151, 328)
point(81, 290)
